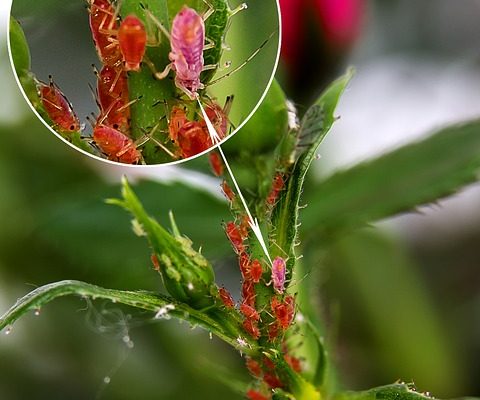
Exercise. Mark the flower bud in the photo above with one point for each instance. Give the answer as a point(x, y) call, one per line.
point(186, 274)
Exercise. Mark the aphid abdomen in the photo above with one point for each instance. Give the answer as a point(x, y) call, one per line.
point(58, 108)
point(116, 145)
point(187, 42)
point(132, 39)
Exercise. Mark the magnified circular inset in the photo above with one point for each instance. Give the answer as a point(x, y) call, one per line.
point(131, 81)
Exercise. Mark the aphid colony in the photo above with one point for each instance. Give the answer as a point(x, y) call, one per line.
point(266, 319)
point(121, 47)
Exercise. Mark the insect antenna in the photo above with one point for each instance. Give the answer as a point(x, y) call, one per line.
point(250, 58)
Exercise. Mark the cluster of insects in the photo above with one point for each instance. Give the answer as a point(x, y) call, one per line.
point(264, 320)
point(121, 45)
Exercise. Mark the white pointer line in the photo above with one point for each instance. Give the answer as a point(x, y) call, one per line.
point(252, 222)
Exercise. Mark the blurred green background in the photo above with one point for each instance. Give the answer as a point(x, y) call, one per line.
point(401, 299)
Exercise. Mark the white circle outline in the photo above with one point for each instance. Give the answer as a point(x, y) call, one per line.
point(260, 101)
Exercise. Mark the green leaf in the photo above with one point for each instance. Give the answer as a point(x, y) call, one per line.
point(397, 391)
point(315, 125)
point(399, 181)
point(266, 127)
point(373, 276)
point(187, 275)
point(19, 48)
point(161, 305)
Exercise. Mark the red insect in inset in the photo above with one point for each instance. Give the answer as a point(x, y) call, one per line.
point(248, 293)
point(178, 118)
point(104, 25)
point(234, 236)
point(256, 271)
point(117, 42)
point(113, 98)
point(58, 107)
point(193, 139)
point(132, 39)
point(277, 187)
point(116, 145)
point(228, 192)
point(226, 297)
point(216, 163)
point(251, 328)
point(253, 367)
point(249, 312)
point(255, 395)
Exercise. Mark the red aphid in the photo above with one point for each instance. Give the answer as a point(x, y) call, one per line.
point(248, 293)
point(256, 271)
point(178, 118)
point(277, 187)
point(116, 145)
point(251, 328)
point(58, 107)
point(112, 90)
point(104, 24)
point(155, 262)
point(249, 312)
point(216, 163)
point(244, 264)
point(226, 297)
point(255, 395)
point(254, 367)
point(132, 40)
point(228, 192)
point(272, 380)
point(218, 116)
point(193, 139)
point(273, 331)
point(235, 237)
point(294, 362)
point(245, 226)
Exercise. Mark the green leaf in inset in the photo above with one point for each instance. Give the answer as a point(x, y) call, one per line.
point(266, 127)
point(19, 48)
point(399, 181)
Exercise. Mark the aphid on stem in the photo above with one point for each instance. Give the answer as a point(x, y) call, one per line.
point(188, 42)
point(279, 271)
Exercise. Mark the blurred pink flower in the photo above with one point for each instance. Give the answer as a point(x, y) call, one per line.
point(317, 34)
point(341, 20)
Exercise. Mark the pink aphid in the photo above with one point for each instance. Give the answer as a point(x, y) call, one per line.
point(279, 270)
point(187, 42)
